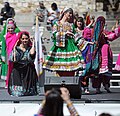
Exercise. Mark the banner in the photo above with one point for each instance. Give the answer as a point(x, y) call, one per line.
point(38, 45)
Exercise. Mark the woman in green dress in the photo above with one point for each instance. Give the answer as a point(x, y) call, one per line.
point(3, 54)
point(64, 57)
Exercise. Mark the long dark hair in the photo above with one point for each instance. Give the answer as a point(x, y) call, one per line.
point(54, 104)
point(20, 34)
point(54, 6)
point(80, 19)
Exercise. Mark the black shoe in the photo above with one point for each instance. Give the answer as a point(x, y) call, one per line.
point(98, 91)
point(108, 90)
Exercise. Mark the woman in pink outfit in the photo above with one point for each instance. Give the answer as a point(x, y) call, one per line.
point(11, 39)
point(105, 70)
point(117, 66)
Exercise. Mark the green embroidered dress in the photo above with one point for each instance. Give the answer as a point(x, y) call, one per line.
point(3, 57)
point(64, 55)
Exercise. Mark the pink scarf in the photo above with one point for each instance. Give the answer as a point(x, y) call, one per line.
point(11, 39)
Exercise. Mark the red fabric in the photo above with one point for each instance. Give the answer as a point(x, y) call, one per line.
point(88, 19)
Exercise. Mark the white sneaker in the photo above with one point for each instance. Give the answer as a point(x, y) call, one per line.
point(86, 91)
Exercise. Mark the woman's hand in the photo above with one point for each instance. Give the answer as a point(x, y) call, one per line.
point(104, 34)
point(33, 42)
point(32, 51)
point(68, 33)
point(92, 43)
point(65, 94)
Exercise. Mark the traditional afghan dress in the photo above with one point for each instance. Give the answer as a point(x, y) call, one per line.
point(106, 65)
point(23, 78)
point(83, 43)
point(4, 63)
point(83, 39)
point(117, 65)
point(64, 55)
point(3, 57)
point(11, 39)
point(105, 56)
point(114, 35)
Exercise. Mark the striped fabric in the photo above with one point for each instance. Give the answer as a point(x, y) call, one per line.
point(65, 56)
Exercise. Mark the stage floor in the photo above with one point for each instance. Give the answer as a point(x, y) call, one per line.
point(104, 97)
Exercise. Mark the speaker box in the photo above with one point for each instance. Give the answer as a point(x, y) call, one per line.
point(71, 83)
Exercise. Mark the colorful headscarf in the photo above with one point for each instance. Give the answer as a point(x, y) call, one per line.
point(64, 11)
point(4, 31)
point(92, 67)
point(11, 24)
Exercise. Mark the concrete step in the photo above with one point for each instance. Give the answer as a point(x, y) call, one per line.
point(112, 15)
point(2, 83)
point(114, 83)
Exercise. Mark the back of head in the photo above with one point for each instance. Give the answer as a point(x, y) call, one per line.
point(98, 28)
point(105, 114)
point(54, 104)
point(100, 22)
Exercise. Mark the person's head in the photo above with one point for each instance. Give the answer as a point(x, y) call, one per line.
point(41, 4)
point(80, 23)
point(76, 15)
point(54, 6)
point(98, 30)
point(68, 14)
point(6, 4)
point(84, 15)
point(105, 114)
point(100, 22)
point(53, 103)
point(24, 38)
point(10, 26)
point(11, 20)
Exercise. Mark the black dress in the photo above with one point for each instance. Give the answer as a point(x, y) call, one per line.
point(23, 79)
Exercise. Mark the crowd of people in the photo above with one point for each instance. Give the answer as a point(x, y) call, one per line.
point(81, 48)
point(47, 16)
